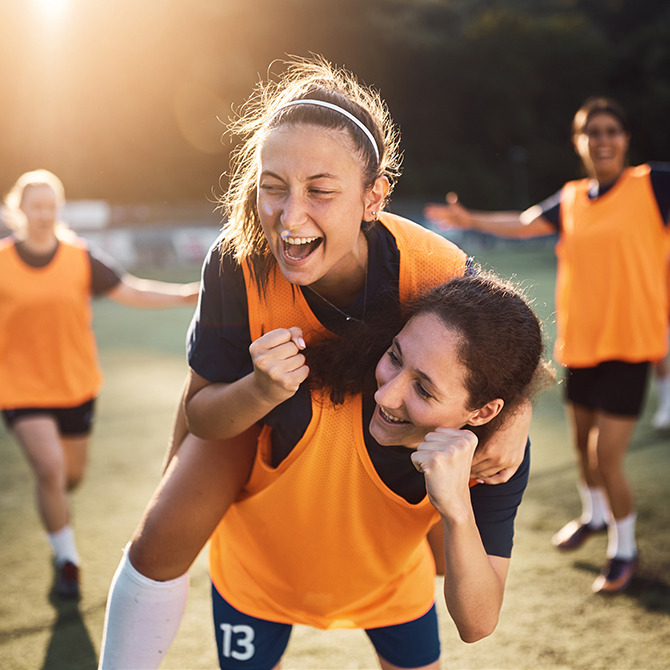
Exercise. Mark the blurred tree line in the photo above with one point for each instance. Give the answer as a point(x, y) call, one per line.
point(125, 100)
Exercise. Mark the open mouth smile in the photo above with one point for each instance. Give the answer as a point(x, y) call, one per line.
point(299, 248)
point(391, 419)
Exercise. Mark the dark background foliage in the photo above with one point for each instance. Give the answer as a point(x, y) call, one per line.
point(120, 98)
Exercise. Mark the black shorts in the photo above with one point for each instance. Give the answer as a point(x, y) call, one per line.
point(614, 387)
point(71, 421)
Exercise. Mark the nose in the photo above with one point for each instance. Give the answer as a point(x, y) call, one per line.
point(294, 212)
point(390, 393)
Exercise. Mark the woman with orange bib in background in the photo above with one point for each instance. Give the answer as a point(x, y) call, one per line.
point(611, 313)
point(49, 371)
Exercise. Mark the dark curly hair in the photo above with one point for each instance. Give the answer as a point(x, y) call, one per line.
point(501, 345)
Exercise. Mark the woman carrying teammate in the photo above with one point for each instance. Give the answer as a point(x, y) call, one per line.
point(334, 534)
point(49, 372)
point(612, 313)
point(305, 231)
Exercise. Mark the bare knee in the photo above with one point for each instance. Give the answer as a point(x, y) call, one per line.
point(155, 552)
point(51, 475)
point(610, 463)
point(73, 481)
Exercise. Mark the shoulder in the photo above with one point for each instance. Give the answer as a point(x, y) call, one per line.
point(659, 174)
point(7, 243)
point(73, 244)
point(221, 268)
point(411, 235)
point(574, 185)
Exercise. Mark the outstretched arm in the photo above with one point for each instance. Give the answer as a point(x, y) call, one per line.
point(139, 293)
point(474, 582)
point(514, 224)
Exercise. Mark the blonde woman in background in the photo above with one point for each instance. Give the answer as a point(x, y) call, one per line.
point(49, 371)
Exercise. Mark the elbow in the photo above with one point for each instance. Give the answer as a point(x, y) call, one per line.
point(194, 425)
point(475, 632)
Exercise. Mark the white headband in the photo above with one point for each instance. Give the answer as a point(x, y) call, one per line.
point(321, 103)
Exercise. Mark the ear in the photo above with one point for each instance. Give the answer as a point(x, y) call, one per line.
point(374, 198)
point(485, 414)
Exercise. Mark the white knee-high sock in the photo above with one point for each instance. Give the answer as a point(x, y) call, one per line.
point(141, 620)
point(595, 506)
point(64, 547)
point(621, 538)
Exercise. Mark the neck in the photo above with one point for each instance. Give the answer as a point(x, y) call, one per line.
point(341, 288)
point(40, 244)
point(607, 178)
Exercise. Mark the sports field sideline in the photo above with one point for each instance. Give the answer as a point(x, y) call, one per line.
point(550, 619)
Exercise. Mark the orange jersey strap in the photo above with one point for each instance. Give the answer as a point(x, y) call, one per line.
point(426, 260)
point(612, 289)
point(320, 539)
point(48, 356)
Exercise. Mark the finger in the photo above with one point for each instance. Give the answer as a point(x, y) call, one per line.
point(272, 339)
point(451, 198)
point(418, 460)
point(498, 478)
point(296, 337)
point(283, 365)
point(442, 434)
point(294, 379)
point(278, 355)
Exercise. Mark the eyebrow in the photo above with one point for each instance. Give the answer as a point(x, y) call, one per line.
point(419, 373)
point(321, 175)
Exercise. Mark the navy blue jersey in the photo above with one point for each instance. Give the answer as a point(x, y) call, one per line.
point(218, 350)
point(660, 182)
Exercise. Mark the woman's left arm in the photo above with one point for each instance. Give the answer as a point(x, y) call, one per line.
point(474, 582)
point(139, 293)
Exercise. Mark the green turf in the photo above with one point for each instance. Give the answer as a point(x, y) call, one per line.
point(549, 619)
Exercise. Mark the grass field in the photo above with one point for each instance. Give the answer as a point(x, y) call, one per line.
point(550, 619)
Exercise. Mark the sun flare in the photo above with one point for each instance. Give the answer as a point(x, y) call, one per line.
point(51, 8)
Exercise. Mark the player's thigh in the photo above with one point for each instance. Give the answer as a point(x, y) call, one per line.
point(203, 479)
point(39, 439)
point(414, 644)
point(245, 642)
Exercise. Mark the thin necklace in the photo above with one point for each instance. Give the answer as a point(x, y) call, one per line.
point(348, 317)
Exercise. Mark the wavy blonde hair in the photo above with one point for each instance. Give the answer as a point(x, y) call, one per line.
point(15, 218)
point(316, 79)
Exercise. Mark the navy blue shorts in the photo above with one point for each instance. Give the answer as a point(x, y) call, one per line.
point(245, 642)
point(71, 421)
point(614, 387)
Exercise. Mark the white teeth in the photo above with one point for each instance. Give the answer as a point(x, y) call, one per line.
point(391, 419)
point(300, 240)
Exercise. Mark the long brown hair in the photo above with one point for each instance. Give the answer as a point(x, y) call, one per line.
point(316, 79)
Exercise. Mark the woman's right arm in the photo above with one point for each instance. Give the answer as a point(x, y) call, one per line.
point(474, 582)
point(514, 224)
point(223, 410)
